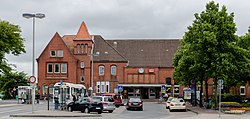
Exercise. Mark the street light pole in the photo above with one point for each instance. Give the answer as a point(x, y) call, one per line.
point(33, 16)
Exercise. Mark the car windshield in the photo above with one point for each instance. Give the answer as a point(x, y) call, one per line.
point(99, 98)
point(177, 100)
point(85, 99)
point(134, 100)
point(96, 100)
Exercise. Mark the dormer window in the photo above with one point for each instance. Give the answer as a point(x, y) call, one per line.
point(52, 53)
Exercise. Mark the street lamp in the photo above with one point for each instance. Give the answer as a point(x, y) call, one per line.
point(33, 16)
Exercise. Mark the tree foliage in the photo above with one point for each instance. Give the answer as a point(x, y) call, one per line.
point(11, 42)
point(12, 80)
point(209, 49)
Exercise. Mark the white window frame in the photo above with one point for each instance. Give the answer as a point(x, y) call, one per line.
point(101, 70)
point(98, 87)
point(60, 53)
point(55, 68)
point(82, 49)
point(78, 47)
point(107, 87)
point(113, 70)
point(51, 54)
point(102, 87)
point(82, 64)
point(48, 68)
point(243, 87)
point(64, 69)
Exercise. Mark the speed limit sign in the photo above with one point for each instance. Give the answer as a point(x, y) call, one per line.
point(32, 79)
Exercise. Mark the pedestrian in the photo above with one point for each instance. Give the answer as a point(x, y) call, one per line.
point(74, 98)
point(37, 98)
point(24, 97)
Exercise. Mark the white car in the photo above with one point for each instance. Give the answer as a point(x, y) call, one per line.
point(108, 103)
point(177, 104)
point(168, 102)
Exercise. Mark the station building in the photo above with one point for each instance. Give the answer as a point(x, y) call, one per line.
point(140, 66)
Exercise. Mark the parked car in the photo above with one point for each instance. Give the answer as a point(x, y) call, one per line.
point(168, 102)
point(86, 105)
point(116, 97)
point(177, 104)
point(134, 103)
point(108, 103)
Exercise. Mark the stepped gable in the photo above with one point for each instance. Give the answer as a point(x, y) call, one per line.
point(147, 52)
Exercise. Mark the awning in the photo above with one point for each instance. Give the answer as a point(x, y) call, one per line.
point(141, 85)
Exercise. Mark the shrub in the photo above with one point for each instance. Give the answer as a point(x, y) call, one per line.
point(245, 104)
point(230, 98)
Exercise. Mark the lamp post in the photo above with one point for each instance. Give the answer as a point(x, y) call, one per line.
point(92, 72)
point(33, 16)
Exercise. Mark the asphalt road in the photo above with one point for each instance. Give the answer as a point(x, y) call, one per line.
point(152, 110)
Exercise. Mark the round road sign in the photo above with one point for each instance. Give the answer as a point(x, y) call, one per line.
point(32, 79)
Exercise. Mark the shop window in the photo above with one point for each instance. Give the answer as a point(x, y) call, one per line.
point(176, 89)
point(168, 81)
point(107, 87)
point(97, 87)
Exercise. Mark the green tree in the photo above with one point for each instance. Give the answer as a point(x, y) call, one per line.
point(10, 81)
point(11, 42)
point(210, 44)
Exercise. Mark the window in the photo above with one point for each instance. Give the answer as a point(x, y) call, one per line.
point(60, 53)
point(64, 68)
point(97, 87)
point(113, 70)
point(86, 48)
point(78, 48)
point(242, 90)
point(45, 88)
point(102, 87)
point(101, 70)
point(82, 48)
point(57, 68)
point(107, 87)
point(82, 64)
point(49, 68)
point(52, 53)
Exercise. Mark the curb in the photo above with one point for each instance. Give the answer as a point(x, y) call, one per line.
point(56, 115)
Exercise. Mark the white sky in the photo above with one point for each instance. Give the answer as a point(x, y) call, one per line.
point(110, 19)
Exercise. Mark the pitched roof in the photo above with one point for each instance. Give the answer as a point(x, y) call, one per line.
point(147, 52)
point(105, 51)
point(68, 39)
point(83, 33)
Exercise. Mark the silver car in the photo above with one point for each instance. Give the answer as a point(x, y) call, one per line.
point(108, 103)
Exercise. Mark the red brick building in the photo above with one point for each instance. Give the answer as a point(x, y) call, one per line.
point(141, 66)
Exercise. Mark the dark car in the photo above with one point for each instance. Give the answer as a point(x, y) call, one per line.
point(134, 103)
point(86, 105)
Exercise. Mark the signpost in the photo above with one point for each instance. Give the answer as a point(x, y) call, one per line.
point(32, 80)
point(220, 86)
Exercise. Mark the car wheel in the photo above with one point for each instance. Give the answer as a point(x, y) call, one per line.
point(70, 109)
point(87, 110)
point(99, 112)
point(110, 111)
point(141, 109)
point(117, 106)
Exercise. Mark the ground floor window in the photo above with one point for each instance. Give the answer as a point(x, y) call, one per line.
point(242, 90)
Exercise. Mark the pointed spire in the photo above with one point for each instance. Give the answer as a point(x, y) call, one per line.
point(83, 32)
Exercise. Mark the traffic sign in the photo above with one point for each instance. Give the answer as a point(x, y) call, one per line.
point(120, 88)
point(32, 79)
point(220, 82)
point(163, 87)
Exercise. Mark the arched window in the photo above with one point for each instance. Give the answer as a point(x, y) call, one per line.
point(86, 48)
point(113, 70)
point(101, 70)
point(78, 48)
point(82, 48)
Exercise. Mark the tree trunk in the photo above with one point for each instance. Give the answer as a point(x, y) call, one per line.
point(201, 91)
point(215, 93)
point(206, 86)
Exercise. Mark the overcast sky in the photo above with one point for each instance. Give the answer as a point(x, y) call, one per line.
point(110, 19)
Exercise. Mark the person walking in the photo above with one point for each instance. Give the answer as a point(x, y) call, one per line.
point(37, 98)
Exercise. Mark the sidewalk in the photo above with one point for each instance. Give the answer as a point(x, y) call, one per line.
point(55, 113)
